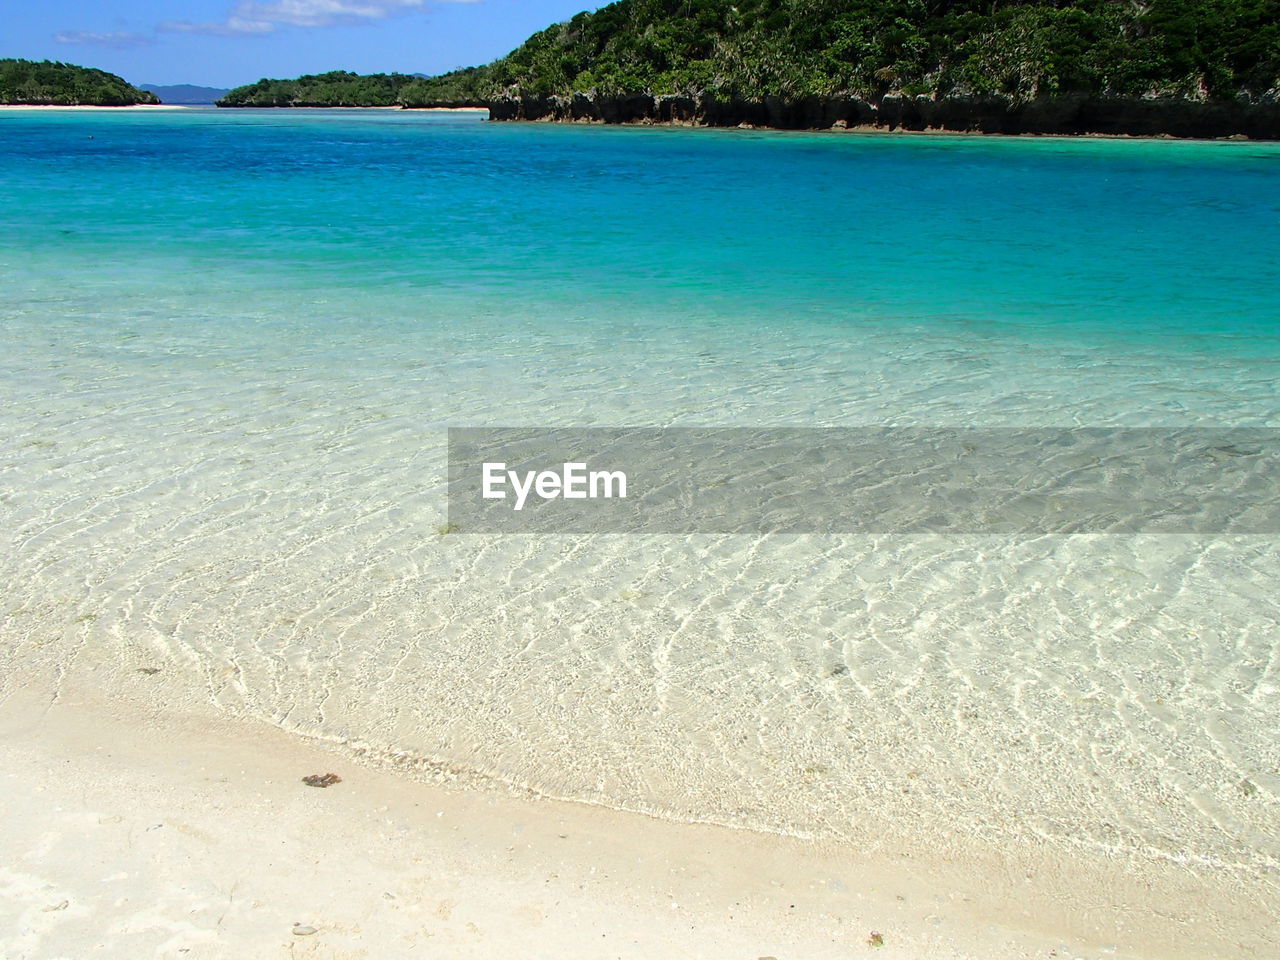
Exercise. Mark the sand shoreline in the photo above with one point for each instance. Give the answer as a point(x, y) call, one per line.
point(84, 106)
point(396, 109)
point(858, 129)
point(130, 830)
point(147, 107)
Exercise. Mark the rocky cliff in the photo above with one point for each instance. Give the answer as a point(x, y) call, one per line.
point(1256, 119)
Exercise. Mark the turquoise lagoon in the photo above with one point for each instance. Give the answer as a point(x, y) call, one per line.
point(234, 342)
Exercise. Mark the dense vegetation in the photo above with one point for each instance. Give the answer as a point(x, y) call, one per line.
point(470, 87)
point(1200, 49)
point(750, 49)
point(338, 88)
point(64, 84)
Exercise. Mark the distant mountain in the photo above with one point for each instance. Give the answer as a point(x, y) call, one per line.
point(185, 93)
point(64, 84)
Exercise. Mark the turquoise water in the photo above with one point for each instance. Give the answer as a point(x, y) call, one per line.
point(1072, 237)
point(234, 341)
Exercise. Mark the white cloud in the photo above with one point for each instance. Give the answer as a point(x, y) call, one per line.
point(118, 38)
point(250, 17)
point(233, 27)
point(320, 13)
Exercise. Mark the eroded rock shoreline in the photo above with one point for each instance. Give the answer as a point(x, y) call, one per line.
point(1072, 115)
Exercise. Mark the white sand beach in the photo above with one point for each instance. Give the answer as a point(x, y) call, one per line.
point(132, 833)
point(145, 107)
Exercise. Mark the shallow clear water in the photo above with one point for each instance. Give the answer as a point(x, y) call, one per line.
point(234, 342)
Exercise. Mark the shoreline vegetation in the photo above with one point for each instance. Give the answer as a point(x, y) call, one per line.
point(51, 83)
point(1181, 68)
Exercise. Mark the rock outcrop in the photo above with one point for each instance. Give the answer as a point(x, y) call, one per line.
point(1256, 119)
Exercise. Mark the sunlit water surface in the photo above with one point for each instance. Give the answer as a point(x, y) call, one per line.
point(234, 341)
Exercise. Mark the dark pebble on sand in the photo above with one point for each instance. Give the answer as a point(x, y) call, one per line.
point(322, 779)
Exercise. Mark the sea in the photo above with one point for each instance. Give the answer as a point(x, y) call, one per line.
point(234, 343)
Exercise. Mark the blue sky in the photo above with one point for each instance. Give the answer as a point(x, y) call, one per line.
point(223, 43)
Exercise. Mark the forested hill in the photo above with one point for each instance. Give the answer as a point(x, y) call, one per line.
point(1024, 49)
point(64, 84)
point(338, 88)
point(1188, 67)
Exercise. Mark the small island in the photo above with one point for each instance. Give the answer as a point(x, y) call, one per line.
point(50, 83)
point(1188, 68)
point(338, 88)
point(470, 87)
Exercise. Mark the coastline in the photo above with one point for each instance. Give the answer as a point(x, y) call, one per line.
point(60, 107)
point(853, 129)
point(394, 108)
point(1077, 115)
point(883, 131)
point(131, 828)
point(165, 107)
